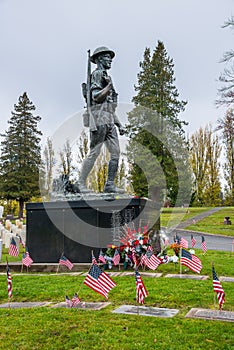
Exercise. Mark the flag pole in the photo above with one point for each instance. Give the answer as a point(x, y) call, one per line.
point(136, 294)
point(88, 272)
point(58, 263)
point(214, 291)
point(180, 262)
point(9, 299)
point(82, 283)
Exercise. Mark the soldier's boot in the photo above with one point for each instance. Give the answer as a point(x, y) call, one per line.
point(85, 170)
point(110, 185)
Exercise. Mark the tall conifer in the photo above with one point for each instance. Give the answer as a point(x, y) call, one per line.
point(20, 154)
point(156, 133)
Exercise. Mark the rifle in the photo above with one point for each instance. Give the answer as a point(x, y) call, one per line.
point(92, 124)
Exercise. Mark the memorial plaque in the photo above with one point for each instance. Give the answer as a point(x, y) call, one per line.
point(226, 279)
point(128, 273)
point(113, 274)
point(151, 274)
point(146, 311)
point(83, 305)
point(25, 304)
point(193, 277)
point(211, 314)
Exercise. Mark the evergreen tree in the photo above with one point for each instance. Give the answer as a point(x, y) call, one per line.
point(20, 154)
point(157, 148)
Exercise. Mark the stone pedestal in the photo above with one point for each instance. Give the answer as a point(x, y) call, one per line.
point(75, 228)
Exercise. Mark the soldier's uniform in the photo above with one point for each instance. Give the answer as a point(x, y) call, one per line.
point(105, 120)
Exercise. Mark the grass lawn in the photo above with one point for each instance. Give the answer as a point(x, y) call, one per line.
point(171, 216)
point(215, 223)
point(48, 328)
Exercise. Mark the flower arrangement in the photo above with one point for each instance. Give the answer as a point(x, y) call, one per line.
point(176, 247)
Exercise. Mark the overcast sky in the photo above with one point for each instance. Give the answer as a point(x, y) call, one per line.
point(44, 47)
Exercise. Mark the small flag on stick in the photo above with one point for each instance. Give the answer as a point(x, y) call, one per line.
point(193, 241)
point(68, 301)
point(9, 281)
point(101, 257)
point(203, 245)
point(218, 289)
point(26, 259)
point(21, 242)
point(190, 260)
point(94, 261)
point(184, 243)
point(66, 262)
point(116, 257)
point(150, 260)
point(141, 291)
point(99, 281)
point(13, 250)
point(75, 300)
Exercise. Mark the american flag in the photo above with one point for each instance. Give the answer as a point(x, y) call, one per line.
point(21, 242)
point(94, 261)
point(218, 289)
point(13, 250)
point(64, 261)
point(99, 281)
point(191, 261)
point(26, 259)
point(9, 282)
point(116, 257)
point(150, 260)
point(177, 239)
point(184, 243)
point(75, 300)
point(193, 241)
point(141, 291)
point(203, 244)
point(68, 301)
point(101, 257)
point(134, 258)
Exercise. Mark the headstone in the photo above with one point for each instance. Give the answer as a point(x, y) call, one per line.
point(211, 314)
point(226, 279)
point(25, 304)
point(83, 305)
point(8, 236)
point(146, 311)
point(0, 249)
point(227, 220)
point(1, 211)
point(193, 277)
point(8, 224)
point(151, 274)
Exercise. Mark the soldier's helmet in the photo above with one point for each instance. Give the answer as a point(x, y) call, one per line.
point(101, 50)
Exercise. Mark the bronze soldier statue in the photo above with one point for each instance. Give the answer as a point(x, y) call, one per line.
point(100, 116)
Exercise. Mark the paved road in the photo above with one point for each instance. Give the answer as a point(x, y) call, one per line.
point(213, 242)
